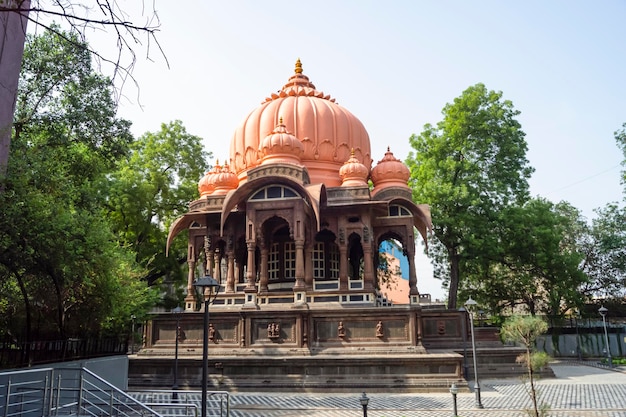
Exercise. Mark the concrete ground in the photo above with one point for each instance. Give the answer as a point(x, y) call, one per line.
point(577, 390)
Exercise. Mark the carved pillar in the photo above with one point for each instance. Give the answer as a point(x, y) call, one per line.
point(217, 271)
point(343, 261)
point(409, 252)
point(299, 266)
point(368, 268)
point(343, 267)
point(419, 329)
point(250, 268)
point(308, 266)
point(264, 278)
point(190, 300)
point(208, 254)
point(230, 274)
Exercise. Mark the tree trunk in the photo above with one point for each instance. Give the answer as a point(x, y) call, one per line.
point(12, 36)
point(453, 289)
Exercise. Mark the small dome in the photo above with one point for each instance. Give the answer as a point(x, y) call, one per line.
point(326, 130)
point(206, 185)
point(353, 172)
point(218, 181)
point(390, 172)
point(280, 146)
point(224, 180)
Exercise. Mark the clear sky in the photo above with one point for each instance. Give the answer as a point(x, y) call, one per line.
point(394, 65)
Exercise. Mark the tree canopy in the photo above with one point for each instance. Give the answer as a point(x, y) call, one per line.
point(86, 206)
point(469, 167)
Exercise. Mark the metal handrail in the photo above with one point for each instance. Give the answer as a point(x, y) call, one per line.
point(48, 391)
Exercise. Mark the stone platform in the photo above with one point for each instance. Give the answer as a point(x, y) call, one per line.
point(406, 348)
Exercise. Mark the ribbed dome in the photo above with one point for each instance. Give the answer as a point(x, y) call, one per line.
point(326, 130)
point(206, 185)
point(280, 146)
point(224, 180)
point(353, 172)
point(390, 172)
point(218, 181)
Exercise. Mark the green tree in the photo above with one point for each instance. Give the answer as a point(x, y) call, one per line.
point(469, 168)
point(526, 330)
point(605, 261)
point(539, 262)
point(151, 187)
point(58, 256)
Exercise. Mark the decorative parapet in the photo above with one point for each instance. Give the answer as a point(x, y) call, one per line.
point(347, 194)
point(298, 173)
point(207, 203)
point(393, 192)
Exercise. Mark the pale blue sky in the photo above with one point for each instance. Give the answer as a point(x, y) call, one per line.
point(395, 64)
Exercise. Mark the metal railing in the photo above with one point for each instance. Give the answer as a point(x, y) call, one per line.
point(63, 392)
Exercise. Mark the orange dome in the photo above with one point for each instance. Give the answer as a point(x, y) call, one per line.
point(326, 130)
point(218, 181)
point(353, 172)
point(390, 172)
point(281, 146)
point(206, 185)
point(224, 180)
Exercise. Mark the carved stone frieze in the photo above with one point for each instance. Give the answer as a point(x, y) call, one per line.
point(282, 170)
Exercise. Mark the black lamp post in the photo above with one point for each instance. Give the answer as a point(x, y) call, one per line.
point(132, 334)
point(364, 401)
point(470, 305)
point(176, 311)
point(603, 310)
point(204, 283)
point(578, 349)
point(454, 390)
point(464, 330)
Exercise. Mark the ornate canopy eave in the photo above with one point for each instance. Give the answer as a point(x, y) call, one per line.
point(180, 224)
point(421, 215)
point(315, 195)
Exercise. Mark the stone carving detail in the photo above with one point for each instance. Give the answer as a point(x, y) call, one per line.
point(212, 333)
point(273, 331)
point(380, 332)
point(341, 331)
point(342, 236)
point(366, 234)
point(441, 327)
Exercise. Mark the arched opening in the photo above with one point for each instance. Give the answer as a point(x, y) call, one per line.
point(392, 269)
point(325, 256)
point(281, 250)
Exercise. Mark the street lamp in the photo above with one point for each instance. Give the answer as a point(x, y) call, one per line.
point(176, 311)
point(364, 401)
point(204, 283)
point(470, 305)
point(454, 390)
point(578, 349)
point(603, 310)
point(132, 334)
point(464, 330)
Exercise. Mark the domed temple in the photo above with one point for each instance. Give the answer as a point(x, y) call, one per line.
point(290, 227)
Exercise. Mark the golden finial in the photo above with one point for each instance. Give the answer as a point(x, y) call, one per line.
point(388, 149)
point(298, 66)
point(352, 152)
point(280, 120)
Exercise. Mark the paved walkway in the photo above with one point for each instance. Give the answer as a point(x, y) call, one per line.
point(576, 391)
